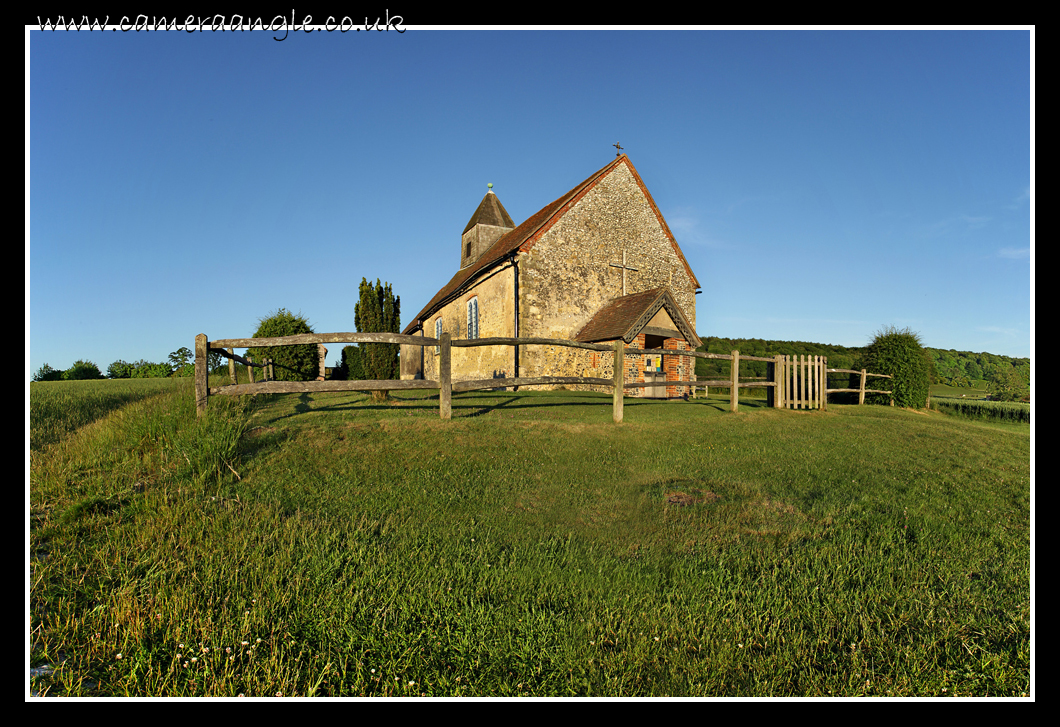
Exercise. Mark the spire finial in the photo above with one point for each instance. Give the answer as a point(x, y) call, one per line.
point(617, 146)
point(489, 189)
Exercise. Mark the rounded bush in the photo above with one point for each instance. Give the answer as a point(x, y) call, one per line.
point(290, 363)
point(82, 370)
point(900, 354)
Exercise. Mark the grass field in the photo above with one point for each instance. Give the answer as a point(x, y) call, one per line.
point(323, 545)
point(957, 392)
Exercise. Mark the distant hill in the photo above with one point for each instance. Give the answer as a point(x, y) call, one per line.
point(955, 368)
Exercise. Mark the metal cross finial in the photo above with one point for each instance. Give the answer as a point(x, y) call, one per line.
point(616, 145)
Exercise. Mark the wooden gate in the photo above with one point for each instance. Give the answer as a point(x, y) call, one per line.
point(801, 382)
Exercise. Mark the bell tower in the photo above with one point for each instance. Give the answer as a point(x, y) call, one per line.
point(489, 223)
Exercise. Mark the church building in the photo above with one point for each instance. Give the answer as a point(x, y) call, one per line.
point(597, 264)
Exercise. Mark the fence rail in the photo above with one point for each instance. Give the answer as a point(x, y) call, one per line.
point(795, 382)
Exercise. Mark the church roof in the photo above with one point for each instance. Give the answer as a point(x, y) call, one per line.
point(523, 237)
point(627, 316)
point(490, 212)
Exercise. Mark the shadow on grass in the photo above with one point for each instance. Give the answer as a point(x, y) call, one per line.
point(471, 404)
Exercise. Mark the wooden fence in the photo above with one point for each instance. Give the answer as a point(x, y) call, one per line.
point(793, 379)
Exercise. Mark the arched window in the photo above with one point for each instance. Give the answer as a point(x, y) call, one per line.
point(472, 318)
point(438, 332)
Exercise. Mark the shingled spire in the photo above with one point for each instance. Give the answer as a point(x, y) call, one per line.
point(486, 226)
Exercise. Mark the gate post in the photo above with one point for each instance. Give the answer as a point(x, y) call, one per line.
point(861, 394)
point(824, 383)
point(620, 381)
point(771, 375)
point(202, 389)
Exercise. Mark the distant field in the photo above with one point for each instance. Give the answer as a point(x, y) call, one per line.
point(325, 545)
point(956, 392)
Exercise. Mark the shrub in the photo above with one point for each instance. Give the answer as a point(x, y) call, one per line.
point(349, 368)
point(290, 363)
point(186, 371)
point(82, 370)
point(900, 354)
point(147, 370)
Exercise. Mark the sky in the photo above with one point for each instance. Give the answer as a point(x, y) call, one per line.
point(822, 184)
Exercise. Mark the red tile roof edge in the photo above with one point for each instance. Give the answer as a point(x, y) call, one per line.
point(523, 237)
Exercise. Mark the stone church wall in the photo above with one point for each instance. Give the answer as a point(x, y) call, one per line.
point(496, 312)
point(566, 277)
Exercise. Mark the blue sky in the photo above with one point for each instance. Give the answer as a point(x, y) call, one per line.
point(822, 184)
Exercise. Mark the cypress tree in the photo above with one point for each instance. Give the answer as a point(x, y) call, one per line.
point(378, 311)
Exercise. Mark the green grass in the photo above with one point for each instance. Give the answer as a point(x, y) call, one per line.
point(60, 407)
point(322, 544)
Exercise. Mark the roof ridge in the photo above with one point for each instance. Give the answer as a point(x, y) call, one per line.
point(506, 244)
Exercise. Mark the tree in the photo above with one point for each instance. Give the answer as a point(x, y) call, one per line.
point(900, 354)
point(290, 363)
point(180, 357)
point(47, 373)
point(82, 370)
point(120, 370)
point(378, 311)
point(1007, 385)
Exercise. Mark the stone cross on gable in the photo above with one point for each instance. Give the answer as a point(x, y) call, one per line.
point(624, 269)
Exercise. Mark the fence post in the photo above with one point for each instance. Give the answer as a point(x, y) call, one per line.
point(445, 378)
point(250, 370)
point(232, 368)
point(620, 381)
point(778, 369)
point(202, 389)
point(861, 394)
point(322, 354)
point(815, 382)
point(734, 378)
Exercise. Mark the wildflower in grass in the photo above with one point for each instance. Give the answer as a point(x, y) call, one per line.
point(119, 655)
